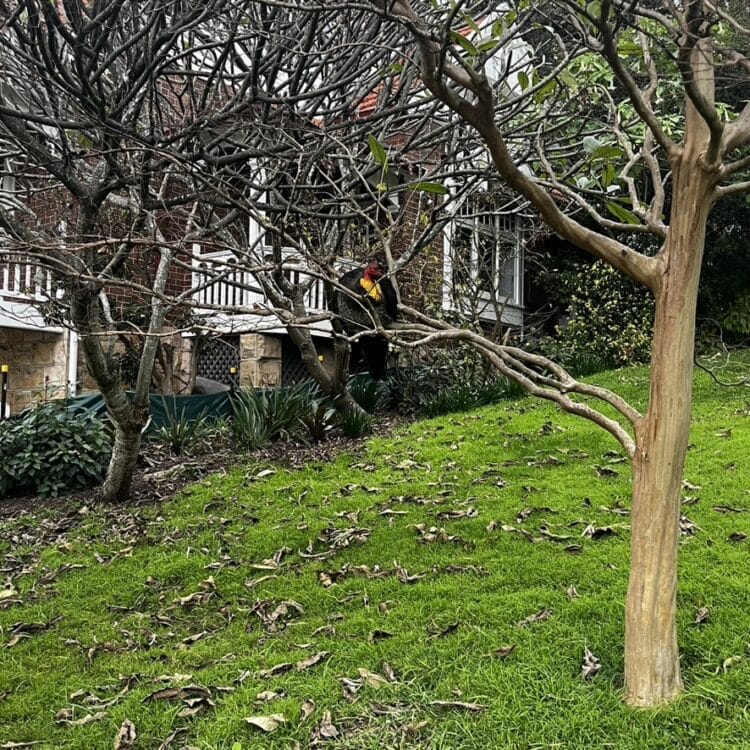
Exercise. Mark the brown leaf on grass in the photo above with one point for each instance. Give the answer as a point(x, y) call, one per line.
point(413, 728)
point(687, 527)
point(311, 661)
point(730, 509)
point(126, 737)
point(503, 652)
point(388, 512)
point(277, 669)
point(328, 630)
point(198, 597)
point(388, 671)
point(378, 635)
point(541, 615)
point(597, 532)
point(508, 529)
point(690, 487)
point(325, 730)
point(432, 534)
point(267, 695)
point(702, 615)
point(187, 693)
point(605, 471)
point(737, 536)
point(8, 592)
point(547, 534)
point(167, 742)
point(573, 549)
point(16, 639)
point(572, 592)
point(372, 679)
point(455, 515)
point(458, 706)
point(730, 662)
point(266, 723)
point(194, 638)
point(65, 717)
point(275, 618)
point(307, 710)
point(340, 538)
point(476, 570)
point(526, 513)
point(591, 665)
point(403, 575)
point(442, 632)
point(19, 745)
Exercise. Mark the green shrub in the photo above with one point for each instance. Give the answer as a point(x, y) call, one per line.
point(319, 420)
point(262, 416)
point(179, 433)
point(50, 449)
point(368, 393)
point(355, 423)
point(461, 397)
point(610, 319)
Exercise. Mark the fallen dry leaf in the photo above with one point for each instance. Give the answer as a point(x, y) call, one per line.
point(325, 730)
point(703, 614)
point(591, 665)
point(307, 710)
point(458, 706)
point(503, 652)
point(267, 723)
point(732, 661)
point(543, 614)
point(126, 736)
point(378, 635)
point(87, 719)
point(311, 661)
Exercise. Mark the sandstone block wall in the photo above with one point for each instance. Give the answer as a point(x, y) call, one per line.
point(38, 365)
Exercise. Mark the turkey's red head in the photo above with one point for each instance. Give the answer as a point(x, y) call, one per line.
point(373, 271)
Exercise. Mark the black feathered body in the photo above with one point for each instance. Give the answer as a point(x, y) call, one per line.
point(356, 315)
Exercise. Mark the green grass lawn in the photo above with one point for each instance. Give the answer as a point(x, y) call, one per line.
point(316, 596)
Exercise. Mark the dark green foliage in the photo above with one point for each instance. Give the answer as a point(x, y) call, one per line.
point(319, 420)
point(179, 432)
point(610, 318)
point(465, 396)
point(355, 424)
point(368, 393)
point(51, 449)
point(262, 416)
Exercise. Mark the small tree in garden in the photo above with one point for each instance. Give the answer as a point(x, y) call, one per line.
point(616, 113)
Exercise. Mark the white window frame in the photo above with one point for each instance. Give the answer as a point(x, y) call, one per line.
point(507, 269)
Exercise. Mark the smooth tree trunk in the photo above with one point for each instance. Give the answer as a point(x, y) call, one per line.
point(652, 665)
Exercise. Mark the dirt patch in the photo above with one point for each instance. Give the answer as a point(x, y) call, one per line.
point(161, 475)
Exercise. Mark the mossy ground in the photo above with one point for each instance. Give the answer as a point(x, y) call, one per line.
point(108, 595)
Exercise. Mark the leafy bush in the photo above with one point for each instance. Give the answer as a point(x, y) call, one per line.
point(355, 424)
point(466, 396)
point(262, 416)
point(50, 449)
point(319, 420)
point(179, 432)
point(368, 393)
point(610, 319)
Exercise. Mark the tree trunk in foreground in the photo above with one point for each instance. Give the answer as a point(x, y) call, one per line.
point(652, 665)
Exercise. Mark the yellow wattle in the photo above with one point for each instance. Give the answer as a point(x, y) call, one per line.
point(372, 289)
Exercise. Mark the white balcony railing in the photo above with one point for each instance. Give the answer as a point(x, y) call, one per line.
point(220, 283)
point(23, 279)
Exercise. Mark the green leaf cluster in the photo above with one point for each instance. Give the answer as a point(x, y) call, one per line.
point(51, 449)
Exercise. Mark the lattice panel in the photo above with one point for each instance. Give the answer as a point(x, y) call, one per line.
point(218, 356)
